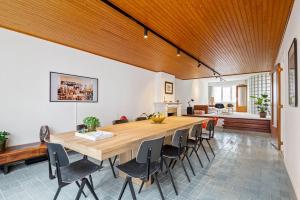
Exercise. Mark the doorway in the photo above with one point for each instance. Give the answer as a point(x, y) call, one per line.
point(241, 98)
point(276, 107)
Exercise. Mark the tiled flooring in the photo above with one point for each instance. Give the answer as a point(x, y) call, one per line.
point(245, 167)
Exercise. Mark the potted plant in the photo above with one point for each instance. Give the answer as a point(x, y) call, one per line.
point(262, 103)
point(3, 138)
point(91, 123)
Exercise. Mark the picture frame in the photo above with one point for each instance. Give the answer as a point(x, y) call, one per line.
point(168, 87)
point(292, 74)
point(73, 88)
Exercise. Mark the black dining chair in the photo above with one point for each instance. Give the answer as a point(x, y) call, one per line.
point(197, 134)
point(147, 164)
point(120, 121)
point(177, 149)
point(194, 141)
point(67, 173)
point(141, 119)
point(210, 128)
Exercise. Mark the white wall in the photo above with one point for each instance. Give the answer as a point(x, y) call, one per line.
point(24, 85)
point(196, 89)
point(291, 115)
point(160, 80)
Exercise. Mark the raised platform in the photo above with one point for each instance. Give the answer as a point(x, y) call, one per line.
point(241, 121)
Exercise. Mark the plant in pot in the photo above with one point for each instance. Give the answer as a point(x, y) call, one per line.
point(3, 139)
point(91, 123)
point(262, 103)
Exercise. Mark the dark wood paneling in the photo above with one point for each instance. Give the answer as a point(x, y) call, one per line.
point(232, 36)
point(258, 125)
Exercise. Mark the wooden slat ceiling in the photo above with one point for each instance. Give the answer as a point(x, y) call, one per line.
point(232, 36)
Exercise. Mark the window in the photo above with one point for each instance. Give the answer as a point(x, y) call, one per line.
point(222, 94)
point(217, 94)
point(226, 94)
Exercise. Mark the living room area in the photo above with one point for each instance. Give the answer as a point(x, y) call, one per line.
point(232, 99)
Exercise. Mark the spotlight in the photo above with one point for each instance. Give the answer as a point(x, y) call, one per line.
point(178, 52)
point(145, 33)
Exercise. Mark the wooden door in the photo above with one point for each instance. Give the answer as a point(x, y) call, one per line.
point(276, 107)
point(241, 98)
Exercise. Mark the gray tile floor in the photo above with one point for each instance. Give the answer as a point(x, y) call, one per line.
point(245, 167)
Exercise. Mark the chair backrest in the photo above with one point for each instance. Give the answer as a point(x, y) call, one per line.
point(210, 125)
point(119, 121)
point(219, 105)
point(154, 146)
point(60, 152)
point(180, 138)
point(141, 118)
point(196, 131)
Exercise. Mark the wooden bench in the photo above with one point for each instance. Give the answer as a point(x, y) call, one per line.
point(26, 152)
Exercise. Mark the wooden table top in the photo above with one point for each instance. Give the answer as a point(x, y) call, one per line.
point(126, 136)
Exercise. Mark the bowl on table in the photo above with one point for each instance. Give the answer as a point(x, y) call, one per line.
point(158, 118)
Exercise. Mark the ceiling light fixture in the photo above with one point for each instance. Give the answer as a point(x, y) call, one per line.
point(199, 64)
point(147, 29)
point(178, 52)
point(145, 33)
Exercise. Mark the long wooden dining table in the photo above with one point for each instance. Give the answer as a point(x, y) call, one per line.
point(126, 137)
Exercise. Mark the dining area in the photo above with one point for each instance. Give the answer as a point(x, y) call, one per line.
point(138, 153)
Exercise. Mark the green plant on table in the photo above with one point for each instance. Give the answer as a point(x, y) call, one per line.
point(3, 136)
point(91, 123)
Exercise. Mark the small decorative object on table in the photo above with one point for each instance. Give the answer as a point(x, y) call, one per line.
point(262, 103)
point(44, 133)
point(158, 118)
point(91, 123)
point(3, 139)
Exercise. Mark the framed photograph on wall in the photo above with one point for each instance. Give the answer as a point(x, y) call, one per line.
point(292, 74)
point(168, 87)
point(73, 88)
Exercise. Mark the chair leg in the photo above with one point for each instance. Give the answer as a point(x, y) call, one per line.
point(141, 187)
point(115, 159)
point(194, 149)
point(187, 176)
point(171, 161)
point(158, 186)
point(172, 180)
point(83, 182)
point(91, 181)
point(101, 164)
point(91, 188)
point(210, 148)
point(191, 153)
point(131, 188)
point(205, 152)
point(112, 167)
point(57, 193)
point(123, 189)
point(82, 190)
point(174, 163)
point(191, 166)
